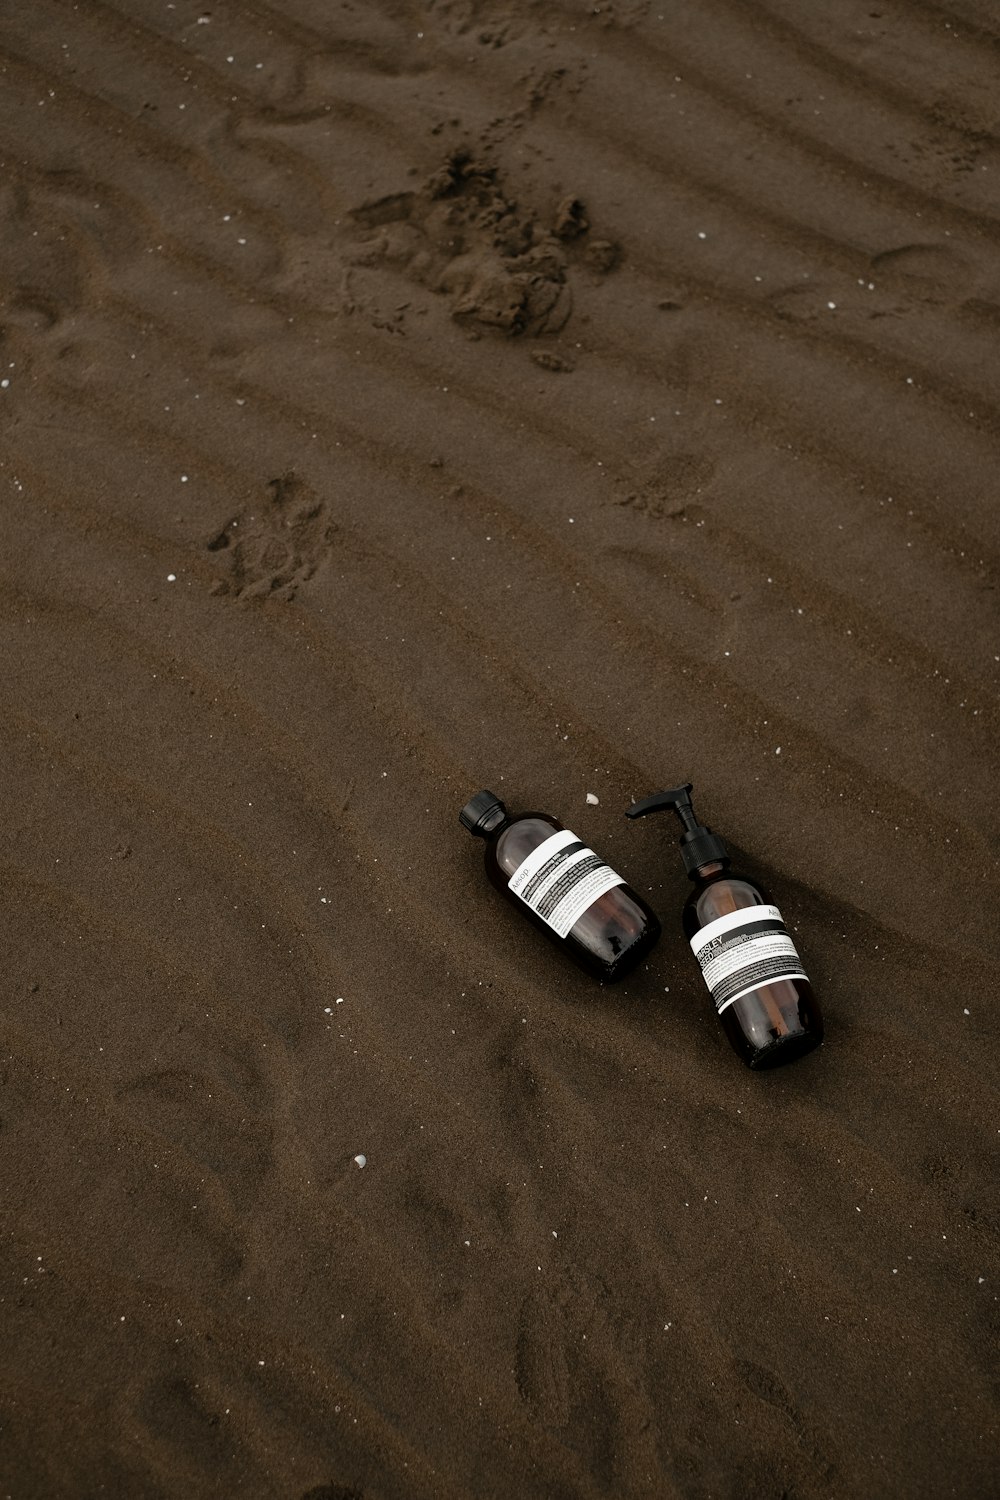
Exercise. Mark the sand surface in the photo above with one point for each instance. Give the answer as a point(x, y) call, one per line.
point(406, 397)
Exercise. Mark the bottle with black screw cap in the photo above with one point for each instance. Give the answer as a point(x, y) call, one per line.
point(748, 960)
point(563, 887)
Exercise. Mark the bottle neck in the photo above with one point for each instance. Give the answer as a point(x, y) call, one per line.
point(493, 823)
point(710, 871)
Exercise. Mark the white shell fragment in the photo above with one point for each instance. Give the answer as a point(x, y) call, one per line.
point(360, 1160)
point(593, 801)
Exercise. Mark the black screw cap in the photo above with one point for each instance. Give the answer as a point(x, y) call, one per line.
point(479, 813)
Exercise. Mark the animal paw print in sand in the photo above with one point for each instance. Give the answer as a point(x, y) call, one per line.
point(274, 546)
point(502, 267)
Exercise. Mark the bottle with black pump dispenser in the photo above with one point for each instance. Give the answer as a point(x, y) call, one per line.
point(748, 960)
point(563, 887)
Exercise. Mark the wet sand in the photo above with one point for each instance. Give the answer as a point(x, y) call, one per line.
point(400, 399)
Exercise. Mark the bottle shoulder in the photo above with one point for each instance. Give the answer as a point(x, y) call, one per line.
point(518, 838)
point(717, 898)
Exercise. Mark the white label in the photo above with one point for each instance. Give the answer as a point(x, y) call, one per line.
point(743, 950)
point(561, 878)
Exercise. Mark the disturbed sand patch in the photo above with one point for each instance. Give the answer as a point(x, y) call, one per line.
point(503, 267)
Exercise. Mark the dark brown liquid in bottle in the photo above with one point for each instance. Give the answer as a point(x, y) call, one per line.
point(614, 932)
point(770, 1025)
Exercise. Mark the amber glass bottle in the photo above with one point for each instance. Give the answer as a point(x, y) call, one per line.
point(563, 887)
point(748, 960)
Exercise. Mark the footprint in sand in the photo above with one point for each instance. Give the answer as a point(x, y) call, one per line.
point(333, 1492)
point(668, 490)
point(220, 1130)
point(490, 24)
point(766, 1386)
point(541, 1370)
point(180, 1416)
point(273, 546)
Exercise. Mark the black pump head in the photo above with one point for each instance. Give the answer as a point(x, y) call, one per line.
point(482, 813)
point(699, 845)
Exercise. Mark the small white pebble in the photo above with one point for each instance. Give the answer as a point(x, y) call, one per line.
point(593, 801)
point(831, 305)
point(328, 1010)
point(4, 383)
point(340, 999)
point(777, 750)
point(361, 1160)
point(171, 577)
point(184, 479)
point(966, 1011)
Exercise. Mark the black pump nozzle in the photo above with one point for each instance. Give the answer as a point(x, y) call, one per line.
point(699, 845)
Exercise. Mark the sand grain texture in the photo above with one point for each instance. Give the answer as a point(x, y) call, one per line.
point(399, 399)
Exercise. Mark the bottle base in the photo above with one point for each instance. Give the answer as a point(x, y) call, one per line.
point(789, 1049)
point(632, 956)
